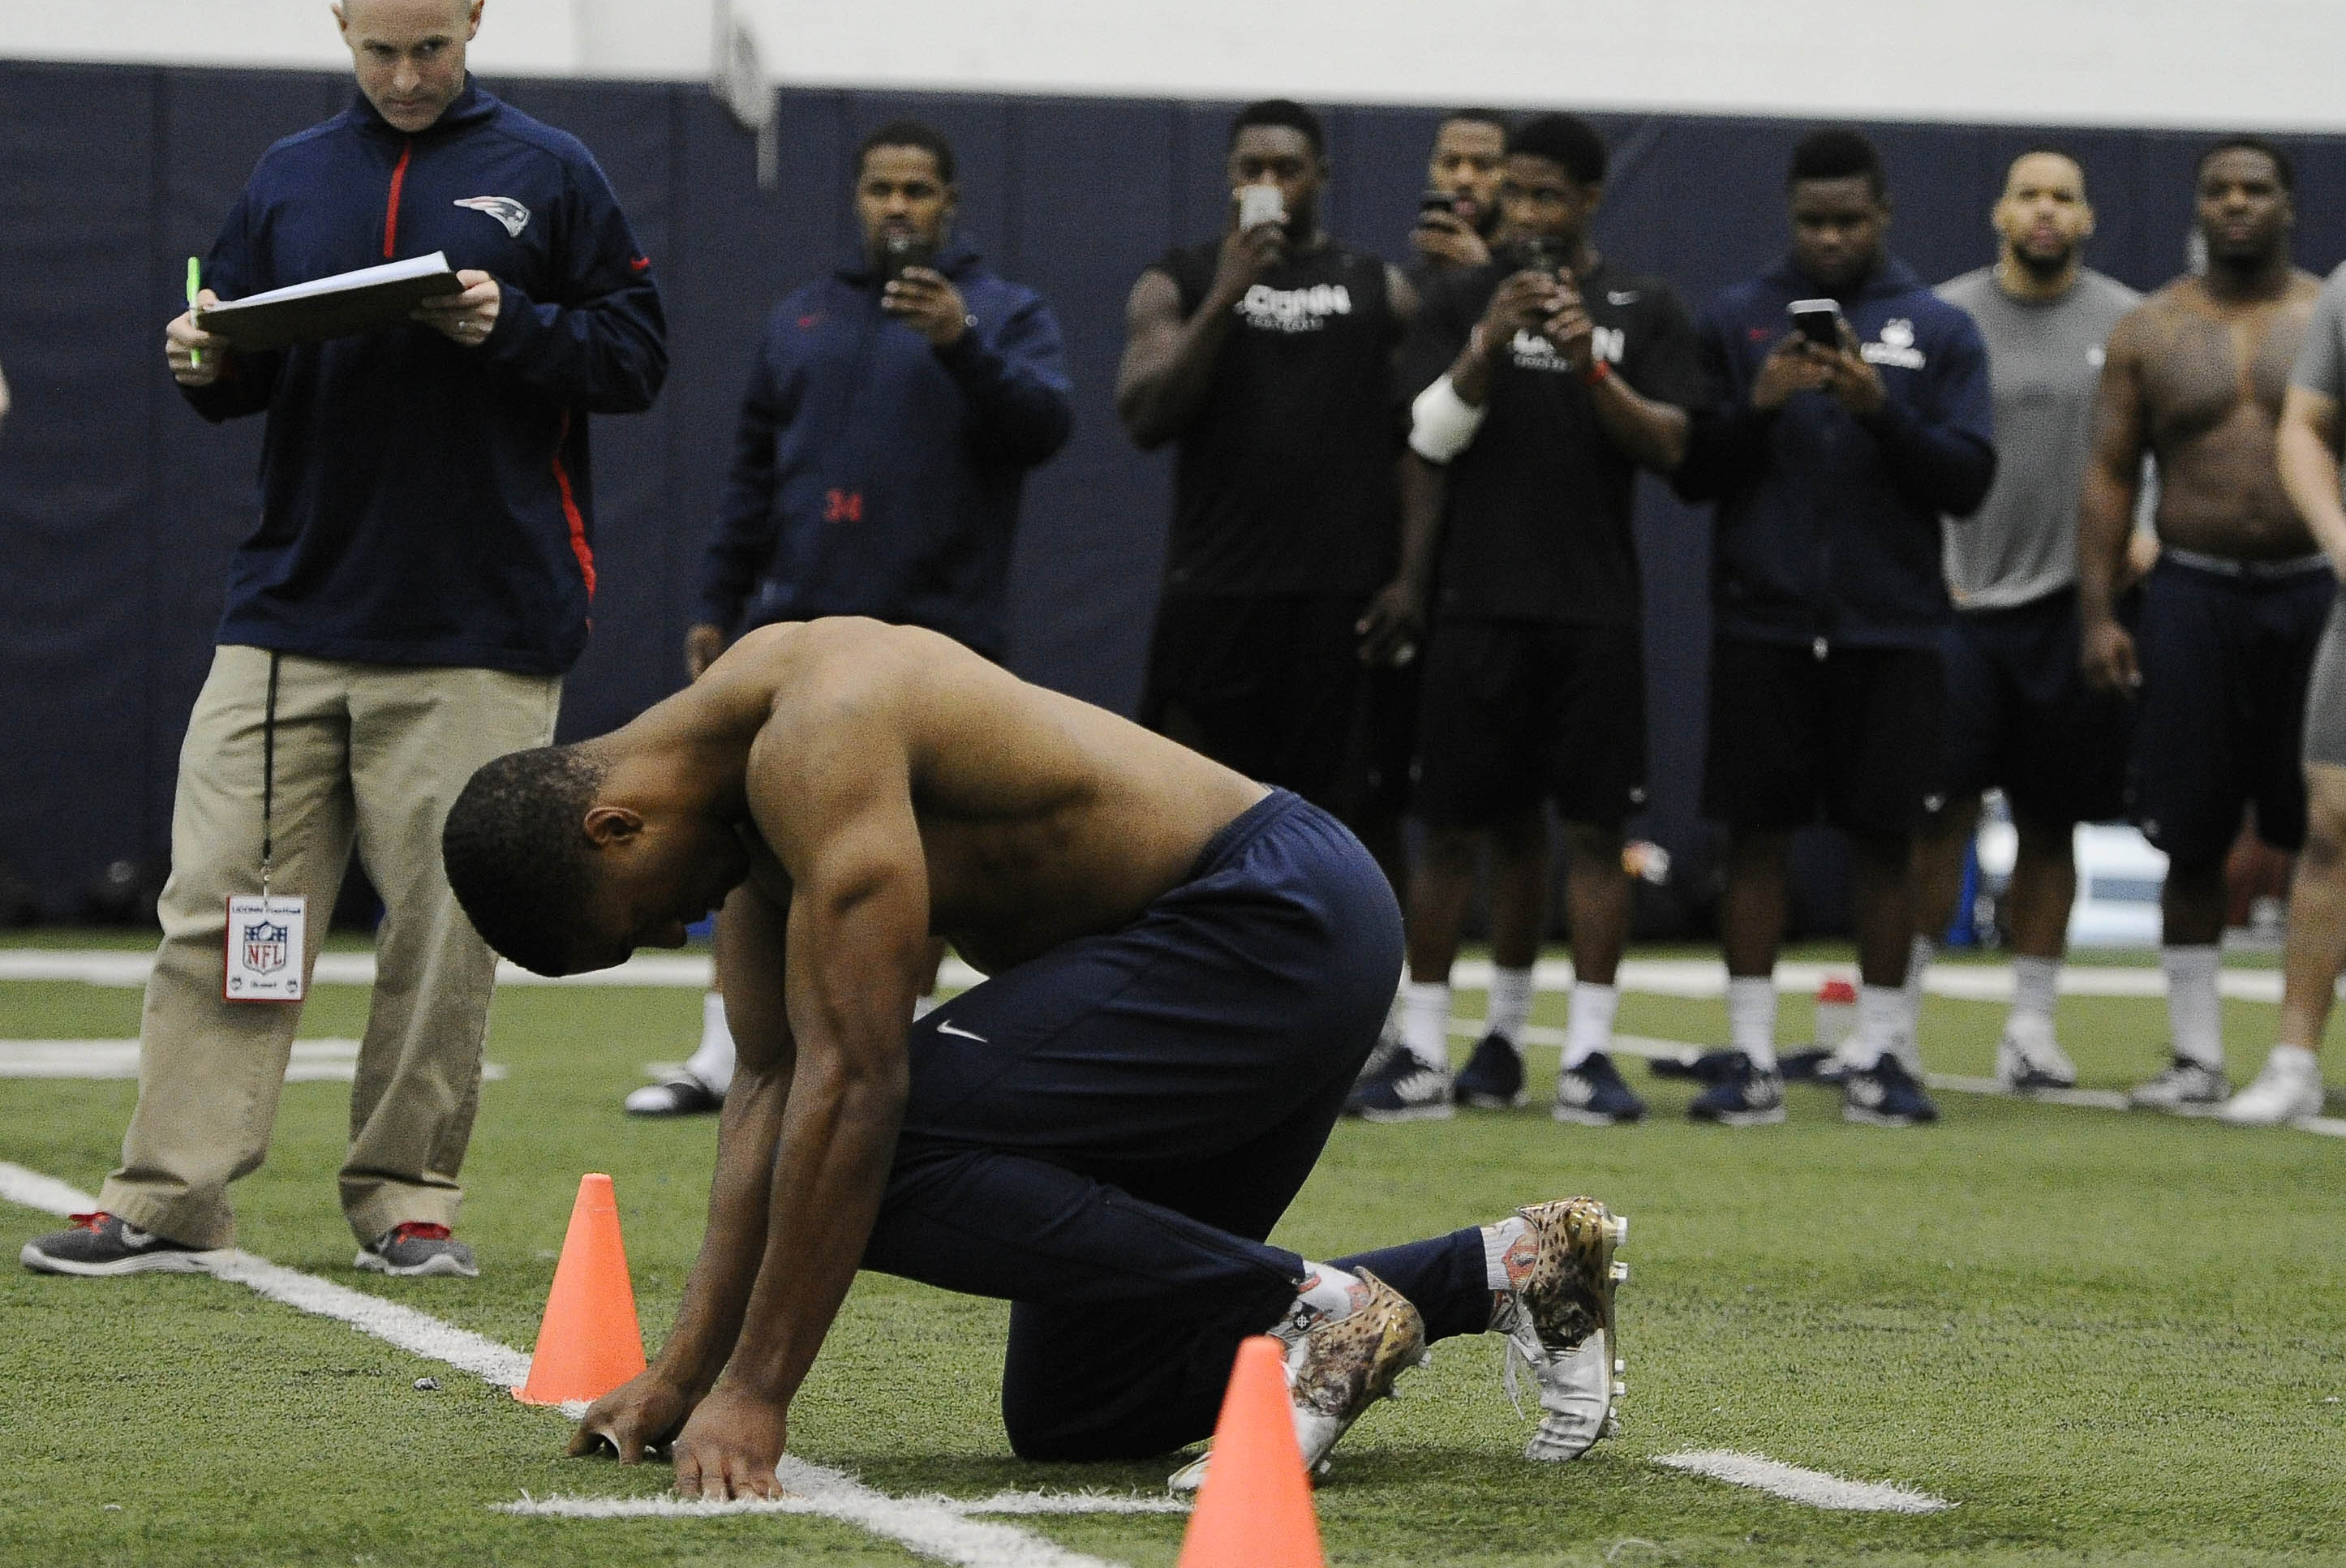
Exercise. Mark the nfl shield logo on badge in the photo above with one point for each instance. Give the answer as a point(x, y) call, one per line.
point(264, 948)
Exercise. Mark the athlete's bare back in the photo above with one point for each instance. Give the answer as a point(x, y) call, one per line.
point(2197, 379)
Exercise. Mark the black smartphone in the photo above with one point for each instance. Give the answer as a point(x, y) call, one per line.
point(1538, 253)
point(901, 251)
point(1818, 320)
point(1436, 201)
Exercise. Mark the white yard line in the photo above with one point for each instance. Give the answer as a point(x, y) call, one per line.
point(312, 1060)
point(1001, 1502)
point(1692, 977)
point(934, 1527)
point(1814, 1487)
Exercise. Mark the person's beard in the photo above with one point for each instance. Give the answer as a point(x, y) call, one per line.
point(2045, 268)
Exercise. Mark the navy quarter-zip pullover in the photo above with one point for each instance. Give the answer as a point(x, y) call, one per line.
point(875, 475)
point(424, 502)
point(1828, 526)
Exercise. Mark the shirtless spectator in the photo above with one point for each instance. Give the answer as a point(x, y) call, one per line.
point(2235, 608)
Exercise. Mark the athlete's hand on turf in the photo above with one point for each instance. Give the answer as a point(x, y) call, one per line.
point(702, 644)
point(1791, 366)
point(465, 318)
point(1850, 378)
point(2108, 655)
point(184, 343)
point(1392, 625)
point(927, 302)
point(1567, 325)
point(641, 1413)
point(1446, 237)
point(730, 1446)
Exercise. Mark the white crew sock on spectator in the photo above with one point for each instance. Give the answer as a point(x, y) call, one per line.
point(712, 1063)
point(1425, 1022)
point(1751, 1018)
point(2035, 983)
point(1391, 1031)
point(1919, 957)
point(1881, 1010)
point(2195, 1014)
point(1510, 1237)
point(1590, 1029)
point(1511, 1004)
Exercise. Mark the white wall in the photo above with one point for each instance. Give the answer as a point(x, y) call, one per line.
point(2273, 63)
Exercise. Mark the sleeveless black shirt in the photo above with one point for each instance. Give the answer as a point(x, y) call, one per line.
point(1283, 482)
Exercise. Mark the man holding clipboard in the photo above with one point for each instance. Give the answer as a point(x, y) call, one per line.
point(415, 589)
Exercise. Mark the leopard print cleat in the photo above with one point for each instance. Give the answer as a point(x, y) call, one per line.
point(1336, 1371)
point(1558, 1316)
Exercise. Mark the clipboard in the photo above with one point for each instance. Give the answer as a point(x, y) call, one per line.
point(362, 302)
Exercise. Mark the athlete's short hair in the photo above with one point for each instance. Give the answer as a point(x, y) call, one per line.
point(910, 133)
point(517, 851)
point(1566, 141)
point(1490, 118)
point(1837, 152)
point(2283, 169)
point(2047, 149)
point(1284, 112)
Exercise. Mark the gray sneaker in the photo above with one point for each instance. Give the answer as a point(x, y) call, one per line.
point(2185, 1085)
point(418, 1248)
point(103, 1243)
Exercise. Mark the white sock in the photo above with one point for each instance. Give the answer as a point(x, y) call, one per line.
point(1881, 1010)
point(1511, 1004)
point(1425, 1022)
point(1505, 1243)
point(2296, 1058)
point(1919, 957)
point(1390, 1033)
point(923, 1005)
point(2195, 1014)
point(1326, 1296)
point(2036, 982)
point(1751, 1018)
point(712, 1063)
point(1590, 1029)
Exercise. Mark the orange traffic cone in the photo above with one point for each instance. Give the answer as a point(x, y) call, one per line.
point(588, 1343)
point(1255, 1508)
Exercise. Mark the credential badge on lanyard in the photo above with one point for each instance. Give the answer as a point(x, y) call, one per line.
point(265, 932)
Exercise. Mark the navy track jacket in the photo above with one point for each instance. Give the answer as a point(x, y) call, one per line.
point(875, 475)
point(423, 503)
point(1828, 526)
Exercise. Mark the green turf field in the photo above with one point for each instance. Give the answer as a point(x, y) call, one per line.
point(2105, 1338)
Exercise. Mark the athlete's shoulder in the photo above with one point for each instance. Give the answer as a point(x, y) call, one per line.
point(1969, 291)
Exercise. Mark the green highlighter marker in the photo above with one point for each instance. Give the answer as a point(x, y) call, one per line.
point(195, 282)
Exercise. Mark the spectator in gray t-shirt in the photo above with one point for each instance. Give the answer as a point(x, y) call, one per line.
point(2308, 452)
point(2019, 715)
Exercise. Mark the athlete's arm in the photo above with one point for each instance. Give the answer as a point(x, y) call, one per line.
point(830, 787)
point(1394, 623)
point(1168, 362)
point(648, 1410)
point(2106, 510)
point(2307, 456)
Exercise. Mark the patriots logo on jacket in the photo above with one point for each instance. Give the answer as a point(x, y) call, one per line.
point(504, 208)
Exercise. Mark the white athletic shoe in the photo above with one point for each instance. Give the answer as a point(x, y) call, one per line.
point(1336, 1371)
point(2030, 1058)
point(2185, 1085)
point(2290, 1088)
point(1557, 1316)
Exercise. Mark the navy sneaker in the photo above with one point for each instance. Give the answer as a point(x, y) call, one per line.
point(1492, 1079)
point(102, 1244)
point(1593, 1095)
point(1885, 1095)
point(1815, 1064)
point(1403, 1090)
point(1744, 1094)
point(1708, 1068)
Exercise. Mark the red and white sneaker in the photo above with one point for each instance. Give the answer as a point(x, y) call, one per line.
point(418, 1248)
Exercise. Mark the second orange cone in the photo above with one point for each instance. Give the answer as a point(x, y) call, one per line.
point(1255, 1508)
point(589, 1341)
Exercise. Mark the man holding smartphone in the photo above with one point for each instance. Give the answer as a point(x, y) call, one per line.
point(1459, 215)
point(1267, 357)
point(894, 412)
point(1831, 463)
point(1553, 377)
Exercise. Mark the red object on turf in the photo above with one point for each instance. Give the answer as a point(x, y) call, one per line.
point(1255, 1509)
point(589, 1342)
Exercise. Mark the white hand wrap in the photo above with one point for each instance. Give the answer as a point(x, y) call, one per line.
point(1442, 423)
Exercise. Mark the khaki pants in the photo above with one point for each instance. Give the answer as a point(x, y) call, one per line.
point(369, 754)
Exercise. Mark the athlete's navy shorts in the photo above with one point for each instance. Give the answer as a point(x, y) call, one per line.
point(1856, 731)
point(1518, 711)
point(1105, 1136)
point(2225, 664)
point(2021, 716)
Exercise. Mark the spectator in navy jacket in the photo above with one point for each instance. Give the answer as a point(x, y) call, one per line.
point(402, 612)
point(1832, 467)
point(891, 418)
